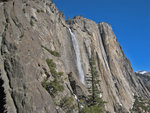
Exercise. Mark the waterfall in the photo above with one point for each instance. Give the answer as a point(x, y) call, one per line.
point(78, 59)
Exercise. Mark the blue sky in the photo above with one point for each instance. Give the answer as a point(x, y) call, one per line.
point(130, 20)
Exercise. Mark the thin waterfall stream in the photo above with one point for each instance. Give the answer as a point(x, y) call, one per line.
point(78, 58)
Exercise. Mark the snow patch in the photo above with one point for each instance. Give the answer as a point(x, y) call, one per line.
point(132, 94)
point(81, 106)
point(75, 96)
point(100, 95)
point(142, 72)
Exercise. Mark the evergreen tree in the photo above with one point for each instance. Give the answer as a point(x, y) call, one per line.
point(95, 103)
point(95, 92)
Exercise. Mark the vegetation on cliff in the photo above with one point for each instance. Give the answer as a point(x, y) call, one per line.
point(141, 105)
point(95, 104)
point(53, 87)
point(54, 53)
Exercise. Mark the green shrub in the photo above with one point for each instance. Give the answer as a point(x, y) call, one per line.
point(38, 10)
point(52, 67)
point(60, 73)
point(67, 104)
point(47, 4)
point(141, 104)
point(45, 84)
point(92, 109)
point(24, 11)
point(53, 87)
point(42, 11)
point(50, 63)
point(54, 72)
point(31, 22)
point(54, 53)
point(97, 107)
point(21, 36)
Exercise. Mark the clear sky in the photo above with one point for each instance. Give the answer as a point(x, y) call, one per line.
point(130, 20)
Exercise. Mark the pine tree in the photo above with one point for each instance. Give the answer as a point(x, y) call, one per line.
point(95, 92)
point(95, 103)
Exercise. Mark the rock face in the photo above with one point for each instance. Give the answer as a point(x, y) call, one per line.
point(33, 31)
point(118, 81)
point(145, 77)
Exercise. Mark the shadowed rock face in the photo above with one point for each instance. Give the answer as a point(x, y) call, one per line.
point(2, 97)
point(3, 0)
point(145, 77)
point(33, 31)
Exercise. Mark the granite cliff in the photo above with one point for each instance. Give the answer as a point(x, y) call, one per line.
point(145, 77)
point(45, 61)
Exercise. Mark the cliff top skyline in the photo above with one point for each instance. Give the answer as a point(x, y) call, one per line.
point(130, 21)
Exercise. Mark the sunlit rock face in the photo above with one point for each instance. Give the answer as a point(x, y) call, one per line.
point(35, 32)
point(118, 81)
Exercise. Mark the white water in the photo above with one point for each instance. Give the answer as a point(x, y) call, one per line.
point(78, 60)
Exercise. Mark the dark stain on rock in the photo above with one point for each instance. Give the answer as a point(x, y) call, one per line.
point(2, 96)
